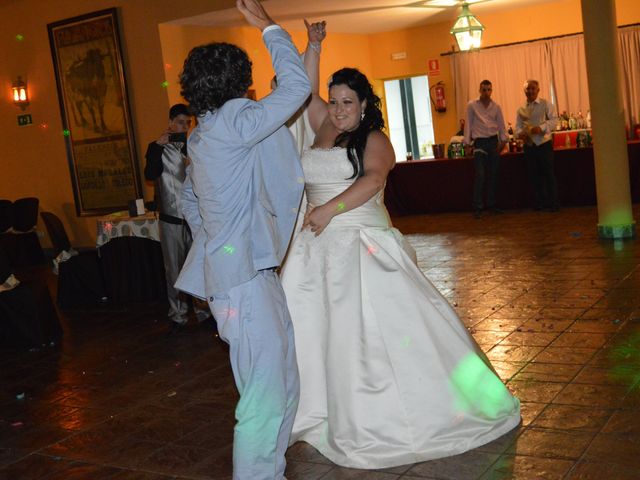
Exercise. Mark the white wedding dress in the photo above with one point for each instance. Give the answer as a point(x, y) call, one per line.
point(389, 375)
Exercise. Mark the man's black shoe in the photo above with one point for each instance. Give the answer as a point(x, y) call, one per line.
point(175, 328)
point(477, 213)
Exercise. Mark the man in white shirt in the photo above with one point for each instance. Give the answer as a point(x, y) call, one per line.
point(484, 127)
point(535, 122)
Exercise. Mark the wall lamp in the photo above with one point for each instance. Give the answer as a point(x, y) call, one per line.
point(20, 93)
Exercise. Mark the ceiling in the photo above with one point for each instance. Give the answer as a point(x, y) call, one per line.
point(359, 16)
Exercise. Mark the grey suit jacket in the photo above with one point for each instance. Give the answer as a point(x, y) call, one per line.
point(245, 181)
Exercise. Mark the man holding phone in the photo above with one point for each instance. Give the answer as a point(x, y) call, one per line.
point(166, 166)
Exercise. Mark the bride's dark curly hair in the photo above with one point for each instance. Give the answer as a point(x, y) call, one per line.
point(213, 74)
point(356, 140)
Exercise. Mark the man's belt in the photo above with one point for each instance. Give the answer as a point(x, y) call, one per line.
point(172, 220)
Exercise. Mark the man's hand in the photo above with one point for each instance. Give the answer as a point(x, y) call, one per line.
point(164, 138)
point(316, 32)
point(536, 130)
point(501, 146)
point(254, 13)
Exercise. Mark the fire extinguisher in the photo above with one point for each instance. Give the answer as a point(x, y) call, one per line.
point(437, 97)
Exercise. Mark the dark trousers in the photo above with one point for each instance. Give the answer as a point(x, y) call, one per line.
point(539, 160)
point(486, 162)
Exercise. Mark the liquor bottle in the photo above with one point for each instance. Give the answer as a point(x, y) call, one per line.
point(510, 131)
point(580, 120)
point(588, 119)
point(513, 145)
point(572, 122)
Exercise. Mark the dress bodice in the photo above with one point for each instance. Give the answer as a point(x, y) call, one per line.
point(327, 173)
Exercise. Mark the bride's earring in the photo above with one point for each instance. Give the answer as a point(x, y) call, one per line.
point(362, 116)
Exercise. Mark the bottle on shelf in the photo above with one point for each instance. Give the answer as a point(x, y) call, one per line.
point(512, 140)
point(588, 119)
point(580, 120)
point(573, 125)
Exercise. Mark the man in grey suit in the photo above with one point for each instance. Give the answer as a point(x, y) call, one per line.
point(241, 199)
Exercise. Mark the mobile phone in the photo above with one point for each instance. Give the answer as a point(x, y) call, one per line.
point(178, 137)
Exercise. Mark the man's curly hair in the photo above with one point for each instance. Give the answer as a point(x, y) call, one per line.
point(213, 74)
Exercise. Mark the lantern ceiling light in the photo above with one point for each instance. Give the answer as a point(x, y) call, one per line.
point(467, 30)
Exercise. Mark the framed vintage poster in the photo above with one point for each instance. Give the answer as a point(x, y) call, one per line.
point(87, 59)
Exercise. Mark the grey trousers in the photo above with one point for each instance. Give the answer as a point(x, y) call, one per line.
point(254, 320)
point(175, 241)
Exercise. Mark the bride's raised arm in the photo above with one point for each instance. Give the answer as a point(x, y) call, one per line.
point(317, 109)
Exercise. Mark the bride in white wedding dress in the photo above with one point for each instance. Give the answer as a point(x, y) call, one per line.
point(389, 375)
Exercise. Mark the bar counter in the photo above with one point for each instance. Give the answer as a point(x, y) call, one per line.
point(446, 185)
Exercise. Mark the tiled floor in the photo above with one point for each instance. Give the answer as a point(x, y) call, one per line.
point(557, 311)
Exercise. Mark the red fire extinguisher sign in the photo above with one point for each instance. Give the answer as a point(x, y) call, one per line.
point(434, 67)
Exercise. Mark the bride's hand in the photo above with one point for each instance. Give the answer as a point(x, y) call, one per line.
point(317, 219)
point(306, 215)
point(316, 32)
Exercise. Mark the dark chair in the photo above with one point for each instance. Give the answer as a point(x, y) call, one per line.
point(80, 280)
point(27, 316)
point(19, 238)
point(6, 215)
point(57, 233)
point(5, 267)
point(25, 214)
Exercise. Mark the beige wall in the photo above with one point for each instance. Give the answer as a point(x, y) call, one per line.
point(33, 159)
point(178, 40)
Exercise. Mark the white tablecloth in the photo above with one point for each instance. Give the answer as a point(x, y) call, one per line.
point(120, 224)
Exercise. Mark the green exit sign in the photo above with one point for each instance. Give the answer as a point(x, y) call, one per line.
point(24, 120)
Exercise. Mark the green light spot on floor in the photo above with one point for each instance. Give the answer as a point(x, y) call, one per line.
point(626, 359)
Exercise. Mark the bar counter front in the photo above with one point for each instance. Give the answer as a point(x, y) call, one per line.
point(446, 185)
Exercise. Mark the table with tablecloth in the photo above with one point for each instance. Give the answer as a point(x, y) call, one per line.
point(131, 257)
